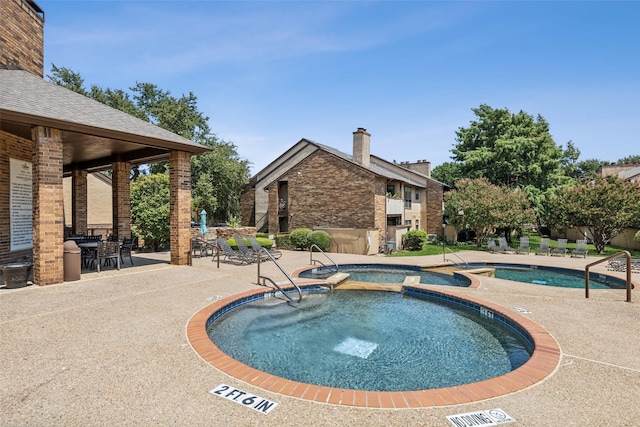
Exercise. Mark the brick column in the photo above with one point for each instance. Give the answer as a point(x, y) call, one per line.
point(180, 206)
point(48, 206)
point(79, 201)
point(121, 200)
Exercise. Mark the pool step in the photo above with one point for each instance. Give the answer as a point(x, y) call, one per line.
point(488, 272)
point(367, 286)
point(337, 278)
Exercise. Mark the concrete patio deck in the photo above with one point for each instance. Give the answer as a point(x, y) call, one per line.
point(111, 350)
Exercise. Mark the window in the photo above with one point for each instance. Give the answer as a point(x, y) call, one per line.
point(407, 222)
point(407, 197)
point(417, 195)
point(417, 224)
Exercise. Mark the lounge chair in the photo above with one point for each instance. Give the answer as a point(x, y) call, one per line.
point(232, 256)
point(503, 246)
point(581, 248)
point(246, 250)
point(561, 249)
point(491, 245)
point(256, 247)
point(524, 246)
point(544, 247)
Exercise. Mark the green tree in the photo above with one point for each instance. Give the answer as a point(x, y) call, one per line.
point(515, 150)
point(630, 159)
point(150, 209)
point(588, 169)
point(478, 205)
point(217, 177)
point(604, 207)
point(447, 173)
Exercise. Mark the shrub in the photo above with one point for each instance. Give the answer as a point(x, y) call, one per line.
point(415, 240)
point(265, 242)
point(283, 241)
point(320, 238)
point(300, 238)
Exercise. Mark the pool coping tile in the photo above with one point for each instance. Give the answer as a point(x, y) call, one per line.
point(542, 363)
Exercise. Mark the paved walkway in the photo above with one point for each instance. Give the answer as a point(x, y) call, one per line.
point(111, 350)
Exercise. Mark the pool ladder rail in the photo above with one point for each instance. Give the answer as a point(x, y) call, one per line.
point(270, 280)
point(314, 261)
point(627, 255)
point(466, 264)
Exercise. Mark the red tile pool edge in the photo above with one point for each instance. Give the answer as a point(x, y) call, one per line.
point(543, 362)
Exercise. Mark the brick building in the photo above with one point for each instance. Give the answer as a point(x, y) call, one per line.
point(48, 132)
point(313, 185)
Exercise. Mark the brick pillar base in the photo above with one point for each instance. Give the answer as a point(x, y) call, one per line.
point(48, 207)
point(180, 206)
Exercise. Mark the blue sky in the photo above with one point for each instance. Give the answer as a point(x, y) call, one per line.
point(268, 73)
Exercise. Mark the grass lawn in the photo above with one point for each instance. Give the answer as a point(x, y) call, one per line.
point(534, 242)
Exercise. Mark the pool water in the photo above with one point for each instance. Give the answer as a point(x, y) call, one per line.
point(370, 340)
point(386, 274)
point(563, 278)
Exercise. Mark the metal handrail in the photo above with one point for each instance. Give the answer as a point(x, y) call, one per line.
point(457, 256)
point(627, 254)
point(264, 278)
point(313, 261)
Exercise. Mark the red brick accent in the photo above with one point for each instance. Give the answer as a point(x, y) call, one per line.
point(435, 196)
point(79, 201)
point(21, 37)
point(121, 198)
point(180, 206)
point(48, 206)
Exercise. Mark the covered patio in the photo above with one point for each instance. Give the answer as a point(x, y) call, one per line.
point(48, 132)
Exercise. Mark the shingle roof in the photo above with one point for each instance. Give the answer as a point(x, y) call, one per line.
point(33, 100)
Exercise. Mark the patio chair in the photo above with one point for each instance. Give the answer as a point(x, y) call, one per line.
point(276, 254)
point(246, 250)
point(107, 251)
point(524, 246)
point(125, 249)
point(561, 249)
point(581, 249)
point(503, 246)
point(230, 255)
point(544, 247)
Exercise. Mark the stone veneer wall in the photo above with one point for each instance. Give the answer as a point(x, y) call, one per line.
point(121, 200)
point(21, 37)
point(327, 191)
point(11, 146)
point(248, 206)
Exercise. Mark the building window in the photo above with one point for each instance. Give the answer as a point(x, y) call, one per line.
point(417, 225)
point(417, 195)
point(407, 197)
point(407, 222)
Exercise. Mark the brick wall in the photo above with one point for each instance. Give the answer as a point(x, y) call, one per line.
point(248, 206)
point(180, 206)
point(11, 146)
point(21, 37)
point(79, 202)
point(326, 191)
point(48, 206)
point(121, 200)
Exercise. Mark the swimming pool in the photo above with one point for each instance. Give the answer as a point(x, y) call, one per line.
point(385, 273)
point(533, 274)
point(371, 340)
point(542, 362)
point(551, 276)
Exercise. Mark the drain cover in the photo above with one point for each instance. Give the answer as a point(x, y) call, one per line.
point(355, 347)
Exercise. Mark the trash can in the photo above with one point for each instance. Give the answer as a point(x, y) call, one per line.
point(71, 261)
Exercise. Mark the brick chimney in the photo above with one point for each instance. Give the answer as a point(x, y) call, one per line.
point(362, 147)
point(421, 166)
point(22, 36)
